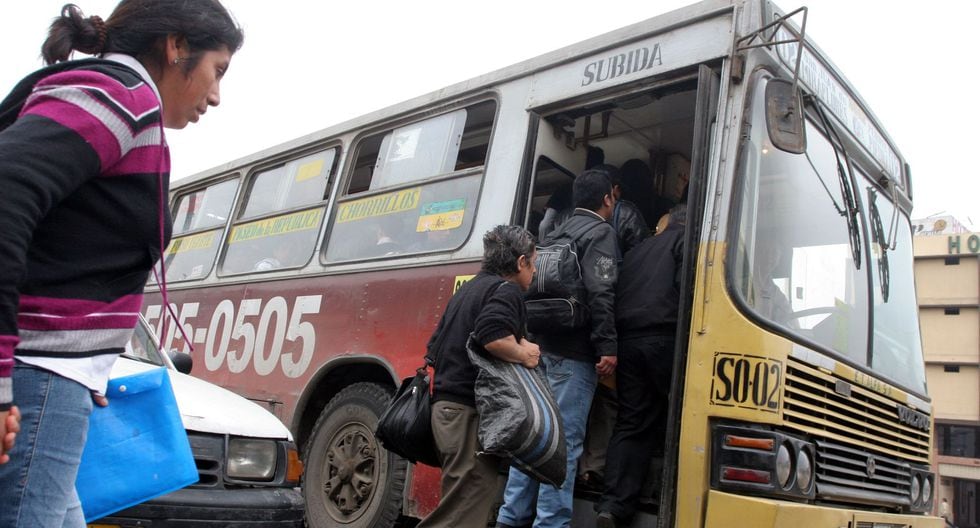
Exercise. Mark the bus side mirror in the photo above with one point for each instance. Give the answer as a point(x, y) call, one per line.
point(182, 362)
point(784, 116)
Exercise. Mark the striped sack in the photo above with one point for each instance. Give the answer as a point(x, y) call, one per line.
point(519, 419)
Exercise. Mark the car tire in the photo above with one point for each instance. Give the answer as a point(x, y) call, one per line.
point(349, 479)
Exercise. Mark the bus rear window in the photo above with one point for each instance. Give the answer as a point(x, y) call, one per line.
point(392, 204)
point(198, 224)
point(277, 228)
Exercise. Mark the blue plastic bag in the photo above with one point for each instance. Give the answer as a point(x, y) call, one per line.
point(137, 448)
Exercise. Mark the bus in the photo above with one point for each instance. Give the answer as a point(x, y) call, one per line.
point(309, 276)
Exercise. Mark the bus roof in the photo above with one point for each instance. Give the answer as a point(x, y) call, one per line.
point(658, 24)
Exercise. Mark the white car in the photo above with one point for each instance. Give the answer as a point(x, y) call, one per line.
point(247, 462)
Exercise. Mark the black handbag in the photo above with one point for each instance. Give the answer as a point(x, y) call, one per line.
point(405, 427)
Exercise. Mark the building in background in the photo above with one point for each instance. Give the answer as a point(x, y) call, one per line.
point(947, 279)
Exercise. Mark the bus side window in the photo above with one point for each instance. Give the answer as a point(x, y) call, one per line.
point(281, 216)
point(199, 220)
point(413, 189)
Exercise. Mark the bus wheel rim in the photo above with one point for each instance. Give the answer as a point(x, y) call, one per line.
point(351, 469)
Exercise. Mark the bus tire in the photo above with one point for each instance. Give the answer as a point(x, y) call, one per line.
point(349, 479)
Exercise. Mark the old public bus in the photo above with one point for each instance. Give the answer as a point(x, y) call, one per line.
point(309, 276)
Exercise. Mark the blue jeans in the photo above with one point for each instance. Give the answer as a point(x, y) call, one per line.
point(37, 486)
point(573, 384)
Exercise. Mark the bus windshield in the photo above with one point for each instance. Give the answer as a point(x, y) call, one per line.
point(800, 266)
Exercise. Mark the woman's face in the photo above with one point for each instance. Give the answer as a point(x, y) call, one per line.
point(187, 95)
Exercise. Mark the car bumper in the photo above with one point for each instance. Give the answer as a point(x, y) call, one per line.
point(204, 508)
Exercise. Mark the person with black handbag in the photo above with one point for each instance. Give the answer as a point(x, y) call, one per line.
point(491, 307)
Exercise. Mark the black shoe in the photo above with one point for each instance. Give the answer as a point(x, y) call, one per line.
point(605, 520)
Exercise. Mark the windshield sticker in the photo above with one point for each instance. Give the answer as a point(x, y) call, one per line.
point(380, 205)
point(191, 243)
point(291, 223)
point(309, 170)
point(441, 216)
point(746, 381)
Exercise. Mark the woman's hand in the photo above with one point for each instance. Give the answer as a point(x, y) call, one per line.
point(9, 427)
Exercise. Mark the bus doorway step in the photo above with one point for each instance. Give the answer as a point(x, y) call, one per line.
point(583, 515)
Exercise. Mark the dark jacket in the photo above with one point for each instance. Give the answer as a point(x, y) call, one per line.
point(597, 250)
point(630, 225)
point(648, 291)
point(490, 308)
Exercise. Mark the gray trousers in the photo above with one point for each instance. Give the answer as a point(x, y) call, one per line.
point(470, 485)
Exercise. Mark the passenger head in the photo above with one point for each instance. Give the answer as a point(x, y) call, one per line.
point(636, 178)
point(593, 191)
point(508, 251)
point(185, 45)
point(677, 215)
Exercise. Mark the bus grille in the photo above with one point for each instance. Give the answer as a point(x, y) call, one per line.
point(864, 454)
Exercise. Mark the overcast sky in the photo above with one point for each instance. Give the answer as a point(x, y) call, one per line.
point(310, 64)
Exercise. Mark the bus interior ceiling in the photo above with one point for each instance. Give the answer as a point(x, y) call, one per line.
point(654, 126)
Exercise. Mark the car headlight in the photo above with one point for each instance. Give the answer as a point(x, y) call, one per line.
point(926, 490)
point(251, 459)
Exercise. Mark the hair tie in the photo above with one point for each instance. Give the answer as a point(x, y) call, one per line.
point(100, 28)
point(94, 44)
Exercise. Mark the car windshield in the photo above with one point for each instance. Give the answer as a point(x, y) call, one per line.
point(143, 347)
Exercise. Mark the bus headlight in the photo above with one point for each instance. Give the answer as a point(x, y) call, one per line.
point(252, 459)
point(784, 465)
point(804, 470)
point(926, 490)
point(922, 487)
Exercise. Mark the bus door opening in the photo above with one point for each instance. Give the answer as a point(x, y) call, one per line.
point(646, 138)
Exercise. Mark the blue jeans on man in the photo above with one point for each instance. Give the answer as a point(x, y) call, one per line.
point(37, 486)
point(573, 383)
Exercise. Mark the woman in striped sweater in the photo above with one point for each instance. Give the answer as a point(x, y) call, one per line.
point(84, 173)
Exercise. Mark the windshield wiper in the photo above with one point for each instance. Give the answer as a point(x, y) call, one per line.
point(878, 236)
point(849, 209)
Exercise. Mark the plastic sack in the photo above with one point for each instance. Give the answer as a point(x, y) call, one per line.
point(137, 448)
point(519, 418)
point(405, 427)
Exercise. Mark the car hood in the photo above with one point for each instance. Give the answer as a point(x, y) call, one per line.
point(208, 408)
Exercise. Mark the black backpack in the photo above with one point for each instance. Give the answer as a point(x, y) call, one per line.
point(556, 300)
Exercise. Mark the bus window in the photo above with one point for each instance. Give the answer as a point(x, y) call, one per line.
point(198, 223)
point(277, 228)
point(392, 206)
